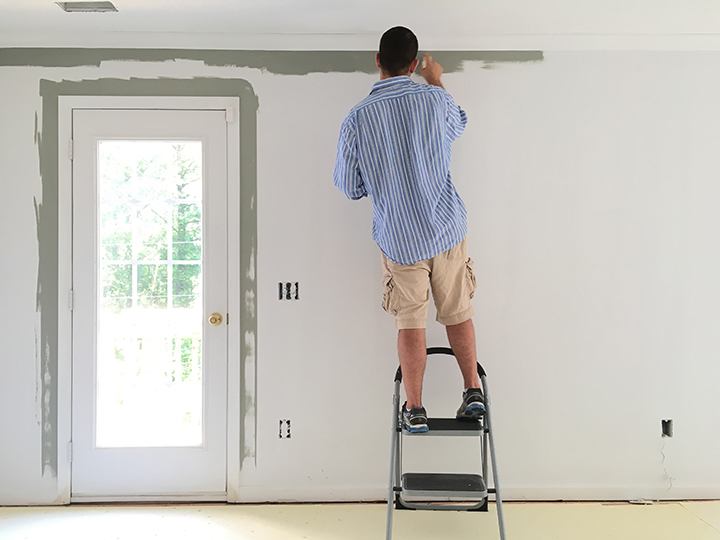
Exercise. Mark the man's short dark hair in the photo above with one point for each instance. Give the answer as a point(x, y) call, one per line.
point(398, 48)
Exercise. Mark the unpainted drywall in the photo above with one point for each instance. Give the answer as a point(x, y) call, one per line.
point(592, 194)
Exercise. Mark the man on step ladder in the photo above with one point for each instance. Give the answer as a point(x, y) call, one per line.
point(394, 147)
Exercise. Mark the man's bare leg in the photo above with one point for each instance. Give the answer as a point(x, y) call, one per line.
point(413, 357)
point(462, 342)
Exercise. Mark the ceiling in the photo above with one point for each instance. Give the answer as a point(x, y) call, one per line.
point(355, 24)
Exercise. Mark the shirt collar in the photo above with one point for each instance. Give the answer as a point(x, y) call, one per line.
point(392, 81)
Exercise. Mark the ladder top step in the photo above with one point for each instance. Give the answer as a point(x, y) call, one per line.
point(449, 427)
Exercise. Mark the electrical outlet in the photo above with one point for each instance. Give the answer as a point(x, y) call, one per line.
point(284, 431)
point(289, 291)
point(667, 428)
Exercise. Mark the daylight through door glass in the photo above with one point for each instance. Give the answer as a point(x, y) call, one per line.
point(150, 319)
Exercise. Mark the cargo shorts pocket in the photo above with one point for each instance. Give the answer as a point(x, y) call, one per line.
point(471, 280)
point(387, 302)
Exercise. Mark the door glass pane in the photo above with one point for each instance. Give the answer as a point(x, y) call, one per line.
point(150, 320)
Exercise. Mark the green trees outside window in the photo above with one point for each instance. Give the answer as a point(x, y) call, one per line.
point(151, 224)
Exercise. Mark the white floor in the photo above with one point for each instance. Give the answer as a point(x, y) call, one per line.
point(524, 521)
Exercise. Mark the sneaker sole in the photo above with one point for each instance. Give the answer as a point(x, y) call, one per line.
point(473, 411)
point(416, 429)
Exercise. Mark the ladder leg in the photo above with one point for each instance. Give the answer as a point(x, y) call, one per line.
point(393, 463)
point(398, 455)
point(498, 496)
point(484, 452)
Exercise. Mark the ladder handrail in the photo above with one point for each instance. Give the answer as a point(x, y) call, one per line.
point(439, 350)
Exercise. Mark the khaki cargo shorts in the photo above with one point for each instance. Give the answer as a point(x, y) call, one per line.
point(407, 288)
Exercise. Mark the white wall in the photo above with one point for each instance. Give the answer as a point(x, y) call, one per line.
point(595, 209)
point(591, 183)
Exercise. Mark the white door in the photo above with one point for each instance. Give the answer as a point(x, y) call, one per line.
point(149, 376)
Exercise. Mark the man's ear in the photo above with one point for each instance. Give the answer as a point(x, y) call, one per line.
point(377, 60)
point(414, 65)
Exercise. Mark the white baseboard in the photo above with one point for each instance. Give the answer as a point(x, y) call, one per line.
point(200, 497)
point(262, 494)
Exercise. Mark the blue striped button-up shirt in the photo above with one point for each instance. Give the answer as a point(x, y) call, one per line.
point(395, 148)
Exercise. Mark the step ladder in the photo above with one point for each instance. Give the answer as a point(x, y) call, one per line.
point(440, 491)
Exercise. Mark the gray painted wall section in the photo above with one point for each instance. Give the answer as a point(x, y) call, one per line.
point(277, 62)
point(46, 302)
point(47, 225)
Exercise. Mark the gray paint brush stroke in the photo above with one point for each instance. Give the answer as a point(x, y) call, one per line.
point(46, 296)
point(276, 62)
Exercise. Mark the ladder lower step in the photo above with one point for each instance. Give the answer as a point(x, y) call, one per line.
point(443, 485)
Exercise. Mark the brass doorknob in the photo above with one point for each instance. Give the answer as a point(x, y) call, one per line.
point(215, 319)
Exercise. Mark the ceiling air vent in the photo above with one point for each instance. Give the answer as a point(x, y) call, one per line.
point(93, 7)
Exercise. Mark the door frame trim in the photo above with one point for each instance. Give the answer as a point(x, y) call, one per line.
point(66, 104)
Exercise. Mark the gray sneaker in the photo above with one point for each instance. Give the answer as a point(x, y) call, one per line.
point(473, 405)
point(414, 420)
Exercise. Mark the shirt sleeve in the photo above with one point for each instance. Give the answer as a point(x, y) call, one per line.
point(456, 118)
point(347, 169)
